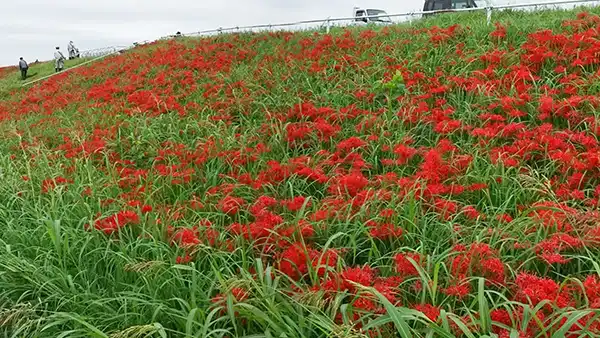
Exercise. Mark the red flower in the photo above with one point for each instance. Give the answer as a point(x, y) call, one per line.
point(112, 224)
point(592, 290)
point(146, 209)
point(323, 260)
point(350, 144)
point(296, 203)
point(185, 237)
point(505, 218)
point(183, 259)
point(500, 31)
point(384, 230)
point(351, 184)
point(51, 183)
point(359, 275)
point(404, 267)
point(293, 261)
point(432, 312)
point(549, 249)
point(230, 205)
point(239, 295)
point(470, 212)
point(533, 290)
point(459, 290)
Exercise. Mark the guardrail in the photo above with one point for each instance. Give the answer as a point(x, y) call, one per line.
point(101, 51)
point(489, 8)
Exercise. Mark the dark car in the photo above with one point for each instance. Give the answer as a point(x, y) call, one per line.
point(449, 5)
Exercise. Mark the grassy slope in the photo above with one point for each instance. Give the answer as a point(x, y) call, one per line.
point(56, 277)
point(11, 79)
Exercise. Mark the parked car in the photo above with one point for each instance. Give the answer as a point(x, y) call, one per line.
point(449, 5)
point(364, 16)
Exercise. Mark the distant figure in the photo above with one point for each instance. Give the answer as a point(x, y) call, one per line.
point(59, 60)
point(23, 66)
point(178, 34)
point(73, 51)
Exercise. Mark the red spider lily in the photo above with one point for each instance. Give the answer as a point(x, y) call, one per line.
point(471, 213)
point(553, 215)
point(499, 32)
point(295, 260)
point(146, 209)
point(230, 205)
point(350, 184)
point(405, 267)
point(350, 144)
point(477, 260)
point(112, 224)
point(445, 208)
point(384, 230)
point(592, 291)
point(184, 236)
point(51, 183)
point(532, 290)
point(183, 259)
point(238, 294)
point(549, 249)
point(459, 289)
point(263, 226)
point(296, 203)
point(432, 312)
point(359, 275)
point(504, 218)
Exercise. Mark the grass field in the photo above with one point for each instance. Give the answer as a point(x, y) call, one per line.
point(431, 180)
point(10, 79)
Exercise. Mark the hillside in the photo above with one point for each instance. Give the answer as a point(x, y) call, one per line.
point(10, 77)
point(432, 180)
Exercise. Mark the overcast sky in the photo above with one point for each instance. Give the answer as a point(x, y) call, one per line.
point(32, 28)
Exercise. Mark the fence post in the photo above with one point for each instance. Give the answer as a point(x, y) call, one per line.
point(328, 25)
point(488, 10)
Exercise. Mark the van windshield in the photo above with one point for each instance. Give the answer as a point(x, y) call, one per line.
point(459, 4)
point(373, 12)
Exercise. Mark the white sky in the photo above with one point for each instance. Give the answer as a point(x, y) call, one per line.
point(32, 28)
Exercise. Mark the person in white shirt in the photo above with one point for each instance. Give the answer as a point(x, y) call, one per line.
point(72, 50)
point(59, 60)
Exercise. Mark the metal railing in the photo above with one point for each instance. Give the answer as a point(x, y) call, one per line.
point(488, 8)
point(101, 51)
point(328, 23)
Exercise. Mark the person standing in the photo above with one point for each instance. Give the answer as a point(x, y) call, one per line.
point(23, 66)
point(72, 50)
point(59, 60)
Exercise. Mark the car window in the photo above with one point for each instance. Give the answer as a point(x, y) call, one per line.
point(360, 14)
point(437, 5)
point(457, 4)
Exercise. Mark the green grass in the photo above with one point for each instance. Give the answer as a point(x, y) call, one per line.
point(11, 80)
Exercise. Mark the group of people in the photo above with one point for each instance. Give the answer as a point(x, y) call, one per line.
point(59, 59)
